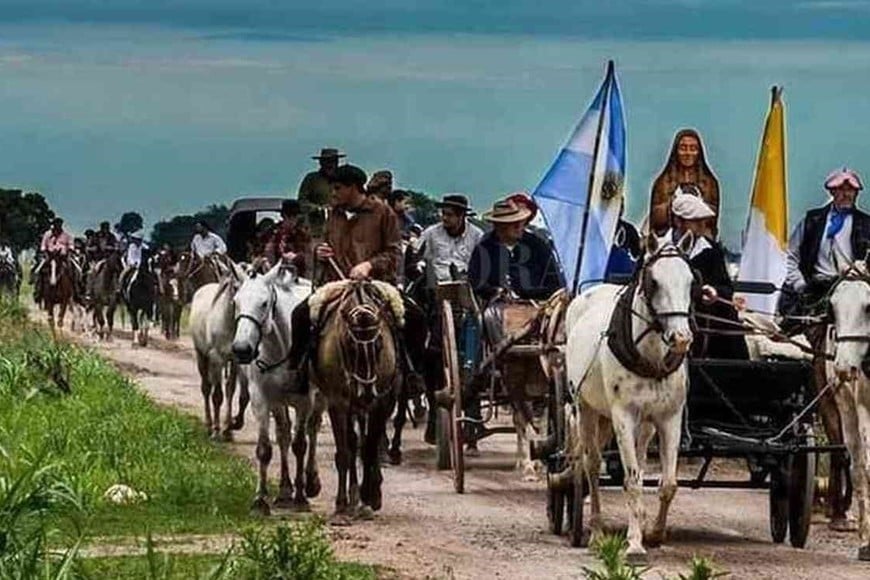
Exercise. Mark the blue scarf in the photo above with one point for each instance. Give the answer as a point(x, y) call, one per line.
point(838, 219)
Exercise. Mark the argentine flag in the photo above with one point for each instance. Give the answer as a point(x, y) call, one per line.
point(581, 194)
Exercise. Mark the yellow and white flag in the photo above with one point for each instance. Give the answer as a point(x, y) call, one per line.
point(766, 238)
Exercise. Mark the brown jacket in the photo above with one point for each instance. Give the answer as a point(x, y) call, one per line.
point(371, 233)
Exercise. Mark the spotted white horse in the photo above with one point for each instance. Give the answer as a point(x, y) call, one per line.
point(850, 306)
point(626, 367)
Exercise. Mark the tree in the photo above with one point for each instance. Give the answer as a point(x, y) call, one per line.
point(23, 218)
point(130, 222)
point(425, 212)
point(178, 230)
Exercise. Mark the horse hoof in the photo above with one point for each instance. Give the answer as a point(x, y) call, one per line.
point(261, 507)
point(226, 435)
point(654, 539)
point(284, 500)
point(300, 504)
point(395, 456)
point(312, 486)
point(844, 525)
point(429, 436)
point(637, 557)
point(365, 513)
point(340, 519)
point(215, 436)
point(864, 553)
point(238, 423)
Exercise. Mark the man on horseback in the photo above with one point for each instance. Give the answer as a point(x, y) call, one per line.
point(205, 242)
point(290, 240)
point(133, 257)
point(9, 262)
point(316, 187)
point(362, 242)
point(100, 246)
point(54, 241)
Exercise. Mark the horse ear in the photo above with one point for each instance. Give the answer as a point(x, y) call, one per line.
point(651, 244)
point(686, 242)
point(285, 276)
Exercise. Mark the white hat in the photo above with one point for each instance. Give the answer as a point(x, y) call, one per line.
point(690, 207)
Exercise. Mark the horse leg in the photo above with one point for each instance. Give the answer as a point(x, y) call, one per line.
point(372, 476)
point(836, 507)
point(264, 456)
point(300, 447)
point(861, 466)
point(590, 425)
point(339, 420)
point(625, 425)
point(401, 417)
point(353, 443)
point(217, 395)
point(284, 429)
point(524, 461)
point(202, 365)
point(312, 475)
point(669, 444)
point(230, 387)
point(244, 397)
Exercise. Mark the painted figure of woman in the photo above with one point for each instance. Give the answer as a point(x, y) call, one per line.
point(686, 165)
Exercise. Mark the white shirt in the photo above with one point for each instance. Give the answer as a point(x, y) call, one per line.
point(210, 243)
point(133, 256)
point(443, 250)
point(834, 254)
point(6, 255)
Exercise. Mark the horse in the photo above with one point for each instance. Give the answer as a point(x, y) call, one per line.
point(212, 326)
point(196, 272)
point(170, 301)
point(849, 374)
point(264, 304)
point(140, 297)
point(57, 281)
point(103, 284)
point(10, 283)
point(355, 367)
point(626, 368)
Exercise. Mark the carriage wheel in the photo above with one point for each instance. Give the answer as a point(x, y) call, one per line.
point(556, 428)
point(778, 504)
point(801, 477)
point(580, 490)
point(457, 457)
point(450, 436)
point(442, 437)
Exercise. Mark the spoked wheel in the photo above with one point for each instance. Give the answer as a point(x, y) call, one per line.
point(449, 420)
point(778, 504)
point(580, 490)
point(801, 477)
point(556, 495)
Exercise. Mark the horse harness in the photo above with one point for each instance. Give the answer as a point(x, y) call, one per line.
point(619, 331)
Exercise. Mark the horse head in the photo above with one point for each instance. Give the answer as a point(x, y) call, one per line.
point(667, 285)
point(850, 310)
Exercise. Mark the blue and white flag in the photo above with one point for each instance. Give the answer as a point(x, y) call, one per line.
point(581, 195)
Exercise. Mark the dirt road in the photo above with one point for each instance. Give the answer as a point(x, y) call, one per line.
point(498, 528)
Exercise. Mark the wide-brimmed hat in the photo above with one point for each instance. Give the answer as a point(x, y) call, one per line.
point(455, 201)
point(329, 153)
point(507, 212)
point(523, 199)
point(843, 176)
point(379, 180)
point(690, 207)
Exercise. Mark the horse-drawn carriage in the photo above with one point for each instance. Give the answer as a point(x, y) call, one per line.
point(504, 337)
point(245, 219)
point(755, 410)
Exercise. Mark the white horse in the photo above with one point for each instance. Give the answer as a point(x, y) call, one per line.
point(850, 305)
point(264, 305)
point(212, 325)
point(626, 367)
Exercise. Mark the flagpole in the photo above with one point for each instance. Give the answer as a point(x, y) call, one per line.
point(608, 80)
point(775, 96)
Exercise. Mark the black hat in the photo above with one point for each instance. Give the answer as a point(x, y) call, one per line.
point(397, 195)
point(329, 153)
point(105, 225)
point(290, 207)
point(350, 175)
point(455, 201)
point(57, 222)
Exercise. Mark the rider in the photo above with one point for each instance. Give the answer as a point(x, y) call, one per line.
point(100, 245)
point(827, 240)
point(136, 245)
point(290, 240)
point(689, 213)
point(54, 241)
point(7, 255)
point(205, 242)
point(363, 241)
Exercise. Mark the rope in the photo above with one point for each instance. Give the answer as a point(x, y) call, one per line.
point(800, 415)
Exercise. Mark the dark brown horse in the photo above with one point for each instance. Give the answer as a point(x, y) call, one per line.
point(170, 300)
point(103, 284)
point(356, 371)
point(195, 272)
point(58, 286)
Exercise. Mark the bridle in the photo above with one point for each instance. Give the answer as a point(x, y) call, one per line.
point(363, 340)
point(259, 324)
point(648, 288)
point(850, 275)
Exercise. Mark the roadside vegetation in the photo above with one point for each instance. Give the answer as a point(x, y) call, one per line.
point(87, 460)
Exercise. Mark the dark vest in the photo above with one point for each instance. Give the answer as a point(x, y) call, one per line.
point(814, 230)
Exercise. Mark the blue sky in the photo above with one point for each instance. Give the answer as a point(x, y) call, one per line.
point(163, 107)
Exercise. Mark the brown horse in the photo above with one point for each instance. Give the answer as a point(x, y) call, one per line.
point(195, 272)
point(58, 286)
point(103, 284)
point(169, 300)
point(356, 371)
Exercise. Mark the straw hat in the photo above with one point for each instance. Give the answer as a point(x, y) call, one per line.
point(507, 212)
